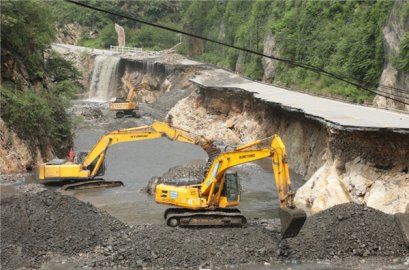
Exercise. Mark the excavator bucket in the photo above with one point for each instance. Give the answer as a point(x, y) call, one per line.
point(292, 221)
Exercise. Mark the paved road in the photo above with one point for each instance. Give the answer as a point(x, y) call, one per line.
point(340, 114)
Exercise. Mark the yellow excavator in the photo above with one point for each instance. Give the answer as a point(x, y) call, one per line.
point(87, 166)
point(126, 106)
point(209, 203)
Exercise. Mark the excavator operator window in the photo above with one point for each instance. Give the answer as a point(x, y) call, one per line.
point(231, 187)
point(119, 100)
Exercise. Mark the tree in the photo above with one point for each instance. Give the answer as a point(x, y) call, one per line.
point(27, 29)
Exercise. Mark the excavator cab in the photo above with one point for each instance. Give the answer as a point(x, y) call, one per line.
point(79, 158)
point(231, 188)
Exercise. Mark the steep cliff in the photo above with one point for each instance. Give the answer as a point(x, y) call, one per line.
point(340, 166)
point(393, 79)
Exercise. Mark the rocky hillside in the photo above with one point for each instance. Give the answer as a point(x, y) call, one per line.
point(356, 40)
point(36, 86)
point(395, 32)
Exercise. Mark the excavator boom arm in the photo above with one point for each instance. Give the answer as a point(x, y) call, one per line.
point(279, 165)
point(131, 90)
point(227, 160)
point(154, 131)
point(115, 137)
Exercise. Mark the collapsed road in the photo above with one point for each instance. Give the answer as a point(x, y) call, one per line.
point(46, 229)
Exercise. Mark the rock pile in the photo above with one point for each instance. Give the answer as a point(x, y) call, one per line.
point(159, 246)
point(37, 227)
point(179, 175)
point(33, 225)
point(346, 230)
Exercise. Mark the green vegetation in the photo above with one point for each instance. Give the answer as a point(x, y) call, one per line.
point(34, 97)
point(26, 30)
point(342, 37)
point(401, 59)
point(36, 116)
point(102, 25)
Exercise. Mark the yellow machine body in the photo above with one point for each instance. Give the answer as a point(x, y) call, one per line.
point(123, 106)
point(188, 197)
point(126, 106)
point(64, 171)
point(220, 190)
point(92, 164)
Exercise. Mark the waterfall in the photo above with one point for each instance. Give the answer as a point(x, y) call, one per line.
point(104, 82)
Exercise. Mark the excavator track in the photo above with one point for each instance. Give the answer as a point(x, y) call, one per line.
point(92, 184)
point(204, 218)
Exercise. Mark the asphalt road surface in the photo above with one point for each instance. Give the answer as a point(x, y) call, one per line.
point(337, 113)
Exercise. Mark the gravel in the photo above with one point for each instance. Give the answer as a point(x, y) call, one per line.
point(160, 246)
point(39, 227)
point(179, 175)
point(47, 222)
point(346, 230)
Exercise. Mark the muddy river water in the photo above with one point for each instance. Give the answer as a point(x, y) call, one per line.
point(135, 163)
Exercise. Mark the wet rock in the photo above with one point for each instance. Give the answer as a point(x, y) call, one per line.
point(87, 110)
point(179, 175)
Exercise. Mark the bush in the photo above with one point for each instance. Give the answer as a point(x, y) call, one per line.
point(401, 59)
point(27, 29)
point(36, 116)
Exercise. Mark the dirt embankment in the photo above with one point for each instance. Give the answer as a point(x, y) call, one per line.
point(342, 165)
point(47, 227)
point(160, 78)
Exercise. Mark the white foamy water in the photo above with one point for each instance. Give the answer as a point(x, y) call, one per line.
point(104, 82)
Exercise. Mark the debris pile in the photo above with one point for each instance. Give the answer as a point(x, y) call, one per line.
point(346, 230)
point(179, 175)
point(38, 227)
point(33, 225)
point(159, 246)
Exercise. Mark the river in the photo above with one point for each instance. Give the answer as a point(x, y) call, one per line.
point(134, 163)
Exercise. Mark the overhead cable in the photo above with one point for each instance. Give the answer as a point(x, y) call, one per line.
point(290, 62)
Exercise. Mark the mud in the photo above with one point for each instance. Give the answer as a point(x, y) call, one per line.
point(47, 226)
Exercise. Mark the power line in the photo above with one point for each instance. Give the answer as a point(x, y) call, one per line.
point(305, 66)
point(393, 88)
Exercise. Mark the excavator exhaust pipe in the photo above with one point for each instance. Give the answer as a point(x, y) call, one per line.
point(292, 221)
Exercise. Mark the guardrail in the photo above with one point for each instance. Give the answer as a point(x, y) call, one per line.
point(125, 49)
